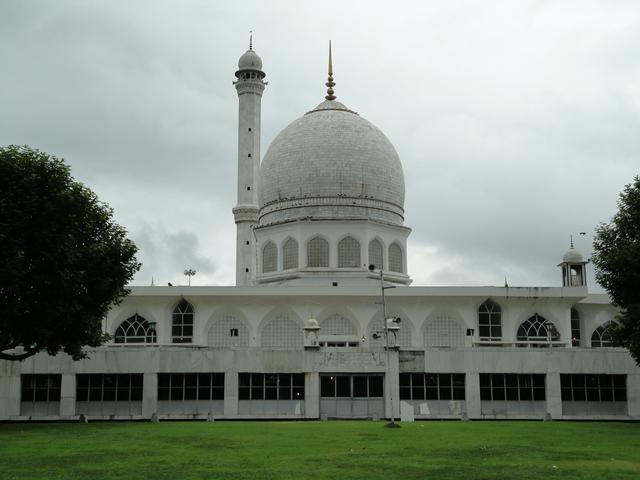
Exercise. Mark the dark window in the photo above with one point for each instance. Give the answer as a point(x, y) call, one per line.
point(135, 329)
point(109, 387)
point(601, 336)
point(593, 388)
point(351, 386)
point(490, 321)
point(575, 328)
point(40, 388)
point(190, 386)
point(182, 323)
point(512, 387)
point(539, 330)
point(432, 386)
point(271, 386)
point(233, 332)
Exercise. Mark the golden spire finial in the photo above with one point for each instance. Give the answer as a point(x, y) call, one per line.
point(330, 83)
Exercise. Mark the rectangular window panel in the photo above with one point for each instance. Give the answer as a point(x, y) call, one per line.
point(327, 386)
point(376, 387)
point(512, 387)
point(40, 388)
point(343, 386)
point(593, 388)
point(432, 386)
point(360, 386)
point(124, 387)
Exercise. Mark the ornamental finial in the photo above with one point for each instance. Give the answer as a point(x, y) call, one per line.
point(250, 39)
point(330, 83)
point(571, 236)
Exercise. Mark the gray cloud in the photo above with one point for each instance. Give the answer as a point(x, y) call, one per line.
point(516, 121)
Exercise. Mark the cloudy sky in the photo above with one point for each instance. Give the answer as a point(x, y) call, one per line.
point(517, 122)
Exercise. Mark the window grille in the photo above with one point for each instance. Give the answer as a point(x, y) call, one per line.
point(512, 387)
point(601, 336)
point(318, 252)
point(395, 258)
point(490, 321)
point(182, 323)
point(351, 386)
point(575, 327)
point(443, 331)
point(290, 254)
point(375, 254)
point(593, 388)
point(337, 325)
point(135, 329)
point(537, 328)
point(269, 258)
point(122, 387)
point(282, 331)
point(432, 386)
point(228, 331)
point(348, 253)
point(271, 386)
point(190, 386)
point(40, 388)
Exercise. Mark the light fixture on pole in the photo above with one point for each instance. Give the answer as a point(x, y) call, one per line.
point(387, 328)
point(189, 272)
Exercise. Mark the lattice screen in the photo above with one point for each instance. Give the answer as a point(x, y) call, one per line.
point(336, 324)
point(282, 331)
point(290, 254)
point(348, 252)
point(395, 258)
point(403, 335)
point(318, 252)
point(269, 258)
point(220, 332)
point(443, 331)
point(375, 253)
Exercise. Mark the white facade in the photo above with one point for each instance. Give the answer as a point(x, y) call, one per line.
point(302, 335)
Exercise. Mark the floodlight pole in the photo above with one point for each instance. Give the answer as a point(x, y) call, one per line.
point(392, 423)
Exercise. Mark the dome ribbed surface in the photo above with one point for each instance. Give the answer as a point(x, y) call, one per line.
point(331, 164)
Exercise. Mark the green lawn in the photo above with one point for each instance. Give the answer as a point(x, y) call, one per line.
point(327, 450)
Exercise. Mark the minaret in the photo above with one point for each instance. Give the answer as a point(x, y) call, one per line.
point(249, 86)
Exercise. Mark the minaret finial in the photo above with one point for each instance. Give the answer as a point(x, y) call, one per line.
point(571, 236)
point(330, 83)
point(250, 39)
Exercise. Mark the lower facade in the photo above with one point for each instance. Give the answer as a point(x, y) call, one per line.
point(168, 382)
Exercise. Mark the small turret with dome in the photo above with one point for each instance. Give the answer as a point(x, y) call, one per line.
point(573, 268)
point(250, 63)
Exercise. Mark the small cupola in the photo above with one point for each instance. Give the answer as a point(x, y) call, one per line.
point(573, 268)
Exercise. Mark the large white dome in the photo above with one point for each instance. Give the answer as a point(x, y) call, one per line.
point(331, 164)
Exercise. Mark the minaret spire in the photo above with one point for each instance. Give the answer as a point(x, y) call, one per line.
point(571, 236)
point(250, 39)
point(330, 83)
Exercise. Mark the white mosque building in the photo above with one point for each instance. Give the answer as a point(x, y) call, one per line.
point(304, 334)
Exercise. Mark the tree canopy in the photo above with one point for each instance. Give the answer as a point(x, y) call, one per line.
point(64, 262)
point(617, 263)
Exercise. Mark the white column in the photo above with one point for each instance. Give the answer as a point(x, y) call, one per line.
point(472, 395)
point(312, 395)
point(633, 395)
point(68, 395)
point(9, 397)
point(230, 394)
point(392, 386)
point(149, 394)
point(553, 395)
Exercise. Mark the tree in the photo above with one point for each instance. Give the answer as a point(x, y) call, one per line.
point(617, 265)
point(64, 262)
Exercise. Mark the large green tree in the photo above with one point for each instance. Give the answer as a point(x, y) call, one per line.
point(64, 262)
point(617, 263)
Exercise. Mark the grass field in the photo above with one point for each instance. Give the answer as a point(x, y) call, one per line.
point(338, 449)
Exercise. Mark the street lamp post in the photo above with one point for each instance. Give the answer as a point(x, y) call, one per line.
point(392, 423)
point(189, 272)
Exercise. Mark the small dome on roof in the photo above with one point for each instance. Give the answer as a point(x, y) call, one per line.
point(572, 256)
point(311, 324)
point(250, 60)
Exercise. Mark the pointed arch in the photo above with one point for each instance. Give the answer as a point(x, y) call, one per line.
point(269, 257)
point(290, 254)
point(348, 252)
point(403, 337)
point(337, 324)
point(490, 321)
point(601, 336)
point(375, 254)
point(135, 329)
point(443, 330)
point(281, 328)
point(396, 260)
point(537, 329)
point(182, 322)
point(317, 252)
point(228, 328)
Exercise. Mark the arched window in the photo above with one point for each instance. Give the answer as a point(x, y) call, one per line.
point(290, 254)
point(443, 331)
point(318, 252)
point(601, 336)
point(269, 258)
point(135, 330)
point(395, 258)
point(348, 253)
point(490, 321)
point(575, 327)
point(537, 329)
point(182, 323)
point(375, 253)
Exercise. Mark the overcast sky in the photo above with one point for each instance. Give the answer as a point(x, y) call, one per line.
point(517, 122)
